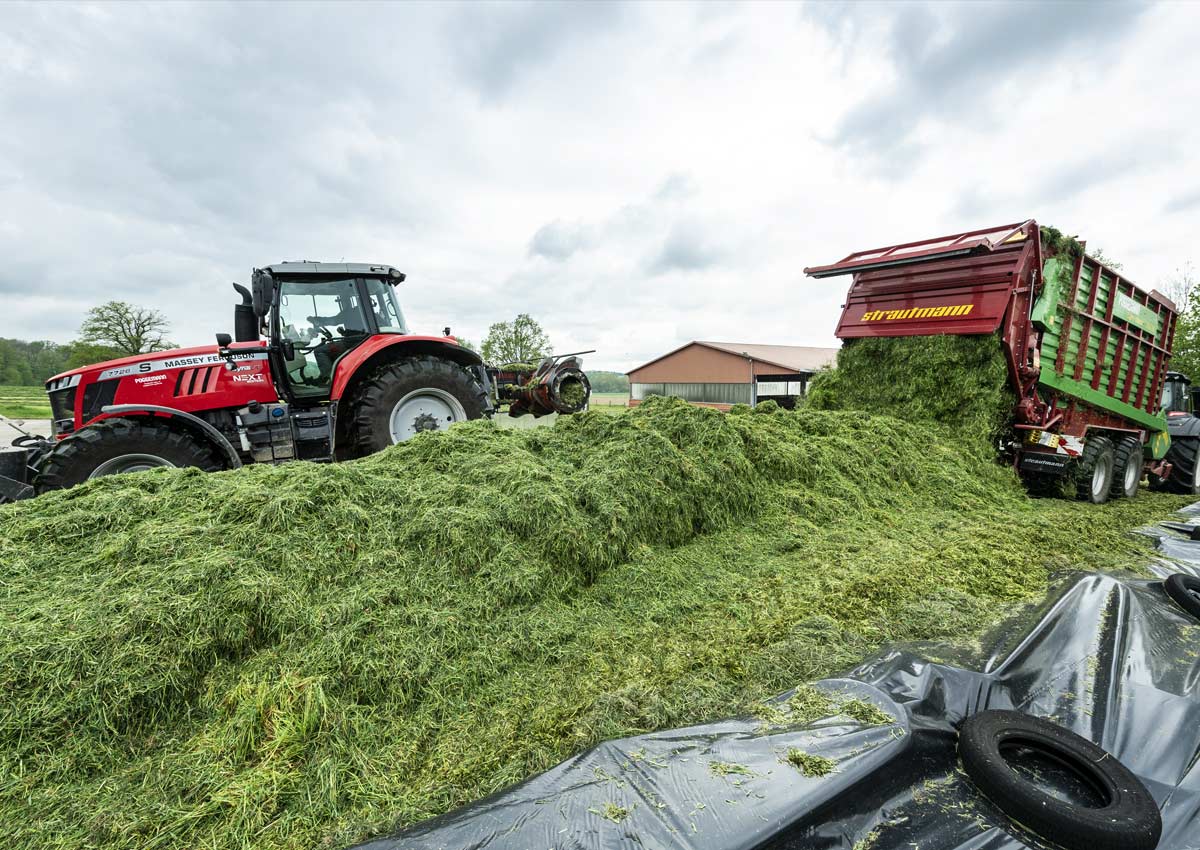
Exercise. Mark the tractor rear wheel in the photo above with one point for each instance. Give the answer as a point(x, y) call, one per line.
point(401, 399)
point(1127, 468)
point(117, 446)
point(1094, 470)
point(1185, 466)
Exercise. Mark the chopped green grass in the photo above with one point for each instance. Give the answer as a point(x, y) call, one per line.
point(809, 764)
point(808, 704)
point(725, 768)
point(612, 812)
point(865, 712)
point(958, 381)
point(304, 655)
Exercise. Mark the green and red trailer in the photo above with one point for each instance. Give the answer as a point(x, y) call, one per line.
point(1088, 352)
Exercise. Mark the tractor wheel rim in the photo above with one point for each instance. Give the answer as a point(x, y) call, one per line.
point(1100, 477)
point(1133, 474)
point(123, 464)
point(1196, 473)
point(426, 409)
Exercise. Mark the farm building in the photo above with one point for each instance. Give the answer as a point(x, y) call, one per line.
point(721, 374)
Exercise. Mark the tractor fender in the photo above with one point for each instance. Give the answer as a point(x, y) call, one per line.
point(378, 349)
point(198, 428)
point(1185, 425)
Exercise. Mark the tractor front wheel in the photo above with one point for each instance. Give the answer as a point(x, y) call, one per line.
point(117, 446)
point(401, 399)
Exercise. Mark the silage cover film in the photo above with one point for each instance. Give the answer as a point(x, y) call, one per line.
point(303, 655)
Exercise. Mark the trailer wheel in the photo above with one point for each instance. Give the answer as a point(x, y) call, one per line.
point(1185, 470)
point(405, 397)
point(999, 747)
point(1094, 471)
point(118, 446)
point(1127, 468)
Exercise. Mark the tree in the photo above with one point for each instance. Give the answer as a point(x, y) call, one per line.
point(607, 382)
point(86, 353)
point(25, 363)
point(125, 327)
point(520, 341)
point(1181, 288)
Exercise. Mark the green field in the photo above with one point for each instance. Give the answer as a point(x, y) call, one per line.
point(24, 403)
point(609, 402)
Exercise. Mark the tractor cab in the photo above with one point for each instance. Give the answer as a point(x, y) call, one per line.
point(314, 313)
point(1177, 395)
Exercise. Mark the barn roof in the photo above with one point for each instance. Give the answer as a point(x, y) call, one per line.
point(790, 358)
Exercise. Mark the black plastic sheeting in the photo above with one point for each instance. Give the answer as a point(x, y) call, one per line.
point(1107, 656)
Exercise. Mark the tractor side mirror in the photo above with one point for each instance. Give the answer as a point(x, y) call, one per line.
point(262, 288)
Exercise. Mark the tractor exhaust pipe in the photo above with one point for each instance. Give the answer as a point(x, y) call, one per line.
point(245, 320)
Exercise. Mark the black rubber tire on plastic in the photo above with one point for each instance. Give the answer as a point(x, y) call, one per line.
point(1129, 821)
point(1128, 452)
point(379, 392)
point(1182, 455)
point(1184, 591)
point(1097, 449)
point(74, 459)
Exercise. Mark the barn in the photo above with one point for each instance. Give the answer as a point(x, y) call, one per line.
point(721, 374)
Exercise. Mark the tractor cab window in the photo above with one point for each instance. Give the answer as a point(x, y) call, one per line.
point(322, 320)
point(385, 306)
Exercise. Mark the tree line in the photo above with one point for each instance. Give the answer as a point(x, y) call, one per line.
point(111, 330)
point(119, 329)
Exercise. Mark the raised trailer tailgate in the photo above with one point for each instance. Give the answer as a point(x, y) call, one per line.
point(957, 284)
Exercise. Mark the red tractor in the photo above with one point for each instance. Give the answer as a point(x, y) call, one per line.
point(322, 367)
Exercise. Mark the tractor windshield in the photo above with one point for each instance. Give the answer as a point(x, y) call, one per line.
point(383, 302)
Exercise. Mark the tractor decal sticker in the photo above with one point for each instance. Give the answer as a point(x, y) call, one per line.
point(148, 366)
point(917, 313)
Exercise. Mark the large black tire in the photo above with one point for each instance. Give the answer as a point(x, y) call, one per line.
point(115, 446)
point(405, 397)
point(1094, 470)
point(1184, 591)
point(1127, 468)
point(1185, 471)
point(1127, 819)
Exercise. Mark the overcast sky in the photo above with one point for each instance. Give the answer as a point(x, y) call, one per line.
point(633, 176)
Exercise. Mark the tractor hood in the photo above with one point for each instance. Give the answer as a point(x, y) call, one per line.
point(156, 361)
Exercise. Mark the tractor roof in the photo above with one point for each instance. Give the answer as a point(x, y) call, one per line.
point(306, 267)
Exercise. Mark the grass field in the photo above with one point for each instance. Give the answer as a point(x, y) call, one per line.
point(24, 403)
point(609, 402)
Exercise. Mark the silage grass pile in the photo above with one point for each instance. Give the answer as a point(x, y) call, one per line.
point(303, 655)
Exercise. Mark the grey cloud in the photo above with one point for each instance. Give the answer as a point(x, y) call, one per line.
point(953, 66)
point(1183, 203)
point(558, 240)
point(496, 43)
point(675, 188)
point(688, 247)
point(1077, 177)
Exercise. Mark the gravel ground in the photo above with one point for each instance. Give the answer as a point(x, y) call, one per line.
point(34, 426)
